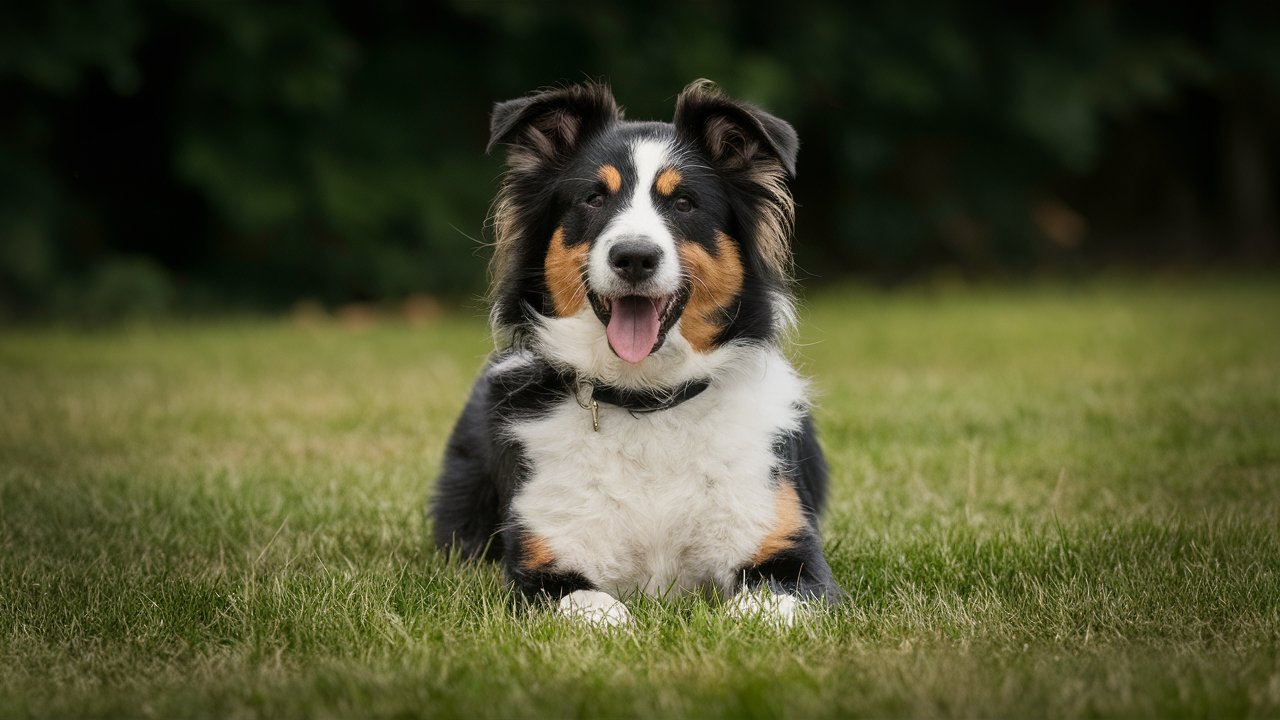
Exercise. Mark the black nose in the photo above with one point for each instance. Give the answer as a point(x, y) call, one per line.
point(635, 260)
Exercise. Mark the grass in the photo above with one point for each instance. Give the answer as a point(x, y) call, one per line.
point(1053, 501)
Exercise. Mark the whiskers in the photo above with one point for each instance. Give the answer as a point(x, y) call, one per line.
point(579, 295)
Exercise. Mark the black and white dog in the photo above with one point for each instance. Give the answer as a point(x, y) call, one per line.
point(638, 429)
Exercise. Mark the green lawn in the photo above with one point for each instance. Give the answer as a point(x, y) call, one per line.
point(1053, 501)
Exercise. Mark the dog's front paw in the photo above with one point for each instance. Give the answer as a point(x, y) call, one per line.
point(595, 607)
point(779, 609)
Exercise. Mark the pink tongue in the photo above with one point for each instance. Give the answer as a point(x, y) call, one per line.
point(633, 327)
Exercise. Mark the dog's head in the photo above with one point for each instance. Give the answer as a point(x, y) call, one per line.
point(643, 228)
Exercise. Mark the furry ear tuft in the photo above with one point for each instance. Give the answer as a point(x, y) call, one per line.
point(757, 152)
point(552, 124)
point(735, 134)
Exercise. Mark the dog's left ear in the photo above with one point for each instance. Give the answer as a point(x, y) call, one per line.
point(735, 134)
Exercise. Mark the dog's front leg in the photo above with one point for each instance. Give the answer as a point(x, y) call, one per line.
point(778, 587)
point(788, 569)
point(531, 565)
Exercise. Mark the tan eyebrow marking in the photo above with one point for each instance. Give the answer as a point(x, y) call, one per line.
point(611, 178)
point(667, 181)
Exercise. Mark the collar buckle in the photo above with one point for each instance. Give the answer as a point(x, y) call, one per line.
point(589, 403)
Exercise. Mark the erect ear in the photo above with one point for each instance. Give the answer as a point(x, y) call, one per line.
point(553, 124)
point(735, 134)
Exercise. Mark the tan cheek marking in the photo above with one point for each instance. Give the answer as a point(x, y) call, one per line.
point(788, 522)
point(611, 178)
point(563, 268)
point(537, 554)
point(716, 282)
point(667, 181)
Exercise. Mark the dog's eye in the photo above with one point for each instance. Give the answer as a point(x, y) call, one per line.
point(595, 200)
point(684, 204)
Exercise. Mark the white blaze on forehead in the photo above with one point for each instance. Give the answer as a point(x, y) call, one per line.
point(649, 156)
point(639, 219)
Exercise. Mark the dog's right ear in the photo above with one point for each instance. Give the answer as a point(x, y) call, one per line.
point(551, 125)
point(735, 134)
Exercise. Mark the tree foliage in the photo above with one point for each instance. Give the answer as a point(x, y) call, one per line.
point(230, 152)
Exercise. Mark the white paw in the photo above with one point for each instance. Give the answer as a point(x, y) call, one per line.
point(595, 607)
point(779, 609)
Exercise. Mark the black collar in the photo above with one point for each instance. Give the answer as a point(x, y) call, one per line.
point(647, 401)
point(589, 392)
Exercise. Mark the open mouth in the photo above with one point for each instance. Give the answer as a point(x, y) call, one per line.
point(637, 325)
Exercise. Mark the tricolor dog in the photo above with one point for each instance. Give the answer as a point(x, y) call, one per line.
point(638, 429)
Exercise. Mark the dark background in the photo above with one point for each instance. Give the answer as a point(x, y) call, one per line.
point(209, 154)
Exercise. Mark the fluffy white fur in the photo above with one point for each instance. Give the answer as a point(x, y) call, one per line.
point(668, 501)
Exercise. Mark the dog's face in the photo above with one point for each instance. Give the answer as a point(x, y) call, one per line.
point(644, 241)
point(646, 227)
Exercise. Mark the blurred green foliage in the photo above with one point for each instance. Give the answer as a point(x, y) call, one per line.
point(225, 153)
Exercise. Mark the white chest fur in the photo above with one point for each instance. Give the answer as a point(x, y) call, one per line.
point(673, 500)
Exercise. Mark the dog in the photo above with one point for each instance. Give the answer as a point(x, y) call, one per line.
point(638, 429)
